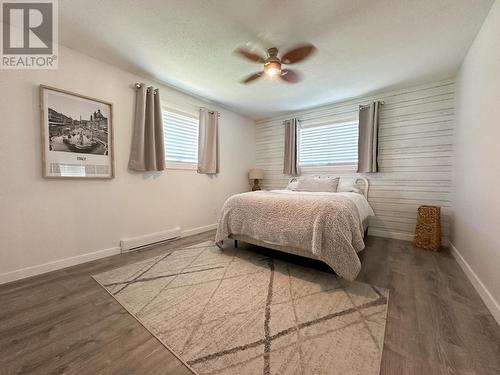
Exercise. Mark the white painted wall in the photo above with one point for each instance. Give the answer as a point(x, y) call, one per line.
point(416, 151)
point(476, 197)
point(44, 221)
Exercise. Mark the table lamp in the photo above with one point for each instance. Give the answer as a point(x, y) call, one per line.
point(256, 174)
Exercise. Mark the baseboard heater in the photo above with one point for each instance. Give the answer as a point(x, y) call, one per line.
point(136, 243)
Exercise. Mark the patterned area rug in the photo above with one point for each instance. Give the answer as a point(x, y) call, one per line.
point(238, 311)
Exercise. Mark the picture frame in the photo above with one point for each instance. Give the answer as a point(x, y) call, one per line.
point(77, 135)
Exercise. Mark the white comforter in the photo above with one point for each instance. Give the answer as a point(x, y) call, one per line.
point(327, 224)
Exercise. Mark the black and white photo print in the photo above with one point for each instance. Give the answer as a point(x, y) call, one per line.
point(77, 135)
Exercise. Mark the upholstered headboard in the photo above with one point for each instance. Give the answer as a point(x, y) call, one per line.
point(359, 182)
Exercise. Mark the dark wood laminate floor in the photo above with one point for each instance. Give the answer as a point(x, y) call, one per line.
point(64, 322)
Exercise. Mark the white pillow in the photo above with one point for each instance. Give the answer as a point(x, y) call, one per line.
point(327, 184)
point(348, 186)
point(292, 185)
point(350, 190)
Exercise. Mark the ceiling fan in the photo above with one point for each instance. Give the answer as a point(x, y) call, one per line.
point(273, 64)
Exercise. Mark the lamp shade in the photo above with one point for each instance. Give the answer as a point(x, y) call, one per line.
point(256, 174)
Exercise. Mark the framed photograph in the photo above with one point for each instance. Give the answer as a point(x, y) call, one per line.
point(77, 135)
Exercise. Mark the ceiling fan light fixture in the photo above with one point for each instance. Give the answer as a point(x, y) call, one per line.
point(273, 64)
point(272, 69)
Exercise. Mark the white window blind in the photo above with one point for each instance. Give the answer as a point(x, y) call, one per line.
point(180, 132)
point(328, 144)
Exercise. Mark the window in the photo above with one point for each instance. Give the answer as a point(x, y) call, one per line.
point(180, 132)
point(328, 143)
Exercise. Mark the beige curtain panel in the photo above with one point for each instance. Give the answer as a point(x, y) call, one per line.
point(368, 138)
point(208, 142)
point(148, 150)
point(291, 160)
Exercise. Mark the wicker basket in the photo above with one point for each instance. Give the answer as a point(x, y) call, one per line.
point(428, 229)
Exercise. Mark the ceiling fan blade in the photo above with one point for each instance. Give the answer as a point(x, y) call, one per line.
point(249, 55)
point(252, 77)
point(290, 76)
point(298, 54)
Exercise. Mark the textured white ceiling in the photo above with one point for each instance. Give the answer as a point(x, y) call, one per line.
point(364, 45)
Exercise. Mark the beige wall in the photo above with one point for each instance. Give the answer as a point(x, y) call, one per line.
point(476, 199)
point(48, 220)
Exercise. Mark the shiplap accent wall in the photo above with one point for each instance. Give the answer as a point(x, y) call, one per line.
point(415, 154)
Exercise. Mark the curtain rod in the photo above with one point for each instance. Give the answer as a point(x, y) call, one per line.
point(367, 105)
point(211, 112)
point(137, 85)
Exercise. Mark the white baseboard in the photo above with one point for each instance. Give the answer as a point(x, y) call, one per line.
point(39, 269)
point(387, 234)
point(399, 235)
point(134, 243)
point(484, 293)
point(56, 265)
point(190, 232)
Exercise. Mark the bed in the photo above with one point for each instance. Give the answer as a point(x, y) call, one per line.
point(323, 225)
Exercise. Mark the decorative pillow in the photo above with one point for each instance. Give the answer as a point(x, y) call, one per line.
point(327, 184)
